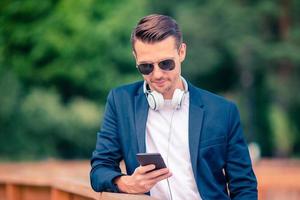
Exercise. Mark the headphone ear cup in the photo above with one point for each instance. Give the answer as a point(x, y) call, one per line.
point(177, 98)
point(155, 100)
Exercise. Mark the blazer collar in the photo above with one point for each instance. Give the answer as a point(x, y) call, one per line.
point(196, 116)
point(141, 108)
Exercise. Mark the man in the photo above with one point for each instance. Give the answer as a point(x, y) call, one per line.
point(197, 133)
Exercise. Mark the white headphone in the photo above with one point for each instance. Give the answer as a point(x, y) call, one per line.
point(156, 99)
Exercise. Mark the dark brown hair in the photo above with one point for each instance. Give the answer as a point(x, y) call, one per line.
point(155, 28)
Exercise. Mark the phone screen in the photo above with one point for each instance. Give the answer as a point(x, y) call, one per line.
point(151, 158)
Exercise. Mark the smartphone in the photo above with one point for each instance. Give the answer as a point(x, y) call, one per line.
point(151, 158)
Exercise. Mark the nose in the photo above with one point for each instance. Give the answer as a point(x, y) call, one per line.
point(157, 72)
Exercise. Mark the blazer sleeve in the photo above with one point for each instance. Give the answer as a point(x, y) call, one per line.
point(107, 155)
point(242, 182)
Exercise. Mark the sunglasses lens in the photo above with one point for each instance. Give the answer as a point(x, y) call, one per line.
point(145, 68)
point(167, 65)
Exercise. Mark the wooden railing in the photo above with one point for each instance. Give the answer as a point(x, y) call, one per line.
point(278, 179)
point(69, 180)
point(52, 180)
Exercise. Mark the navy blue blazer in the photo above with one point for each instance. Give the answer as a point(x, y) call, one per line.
point(218, 151)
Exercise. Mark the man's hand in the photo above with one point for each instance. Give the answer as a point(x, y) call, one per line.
point(142, 180)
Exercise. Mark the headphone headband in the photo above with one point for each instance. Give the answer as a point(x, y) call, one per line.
point(156, 100)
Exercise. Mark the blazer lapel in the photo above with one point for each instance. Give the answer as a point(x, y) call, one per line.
point(196, 115)
point(141, 113)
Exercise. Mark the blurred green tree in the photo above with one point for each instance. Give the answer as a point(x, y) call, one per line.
point(76, 47)
point(58, 59)
point(249, 51)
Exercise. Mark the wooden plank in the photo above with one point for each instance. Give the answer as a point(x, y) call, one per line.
point(60, 195)
point(78, 197)
point(280, 194)
point(20, 181)
point(262, 193)
point(76, 187)
point(35, 193)
point(121, 196)
point(2, 191)
point(13, 192)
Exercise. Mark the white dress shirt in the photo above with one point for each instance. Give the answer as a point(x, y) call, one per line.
point(167, 134)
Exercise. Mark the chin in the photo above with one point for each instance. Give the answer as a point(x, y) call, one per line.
point(163, 90)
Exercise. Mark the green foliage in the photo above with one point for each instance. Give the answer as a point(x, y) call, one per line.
point(10, 92)
point(39, 125)
point(77, 47)
point(59, 59)
point(249, 50)
point(284, 132)
point(57, 128)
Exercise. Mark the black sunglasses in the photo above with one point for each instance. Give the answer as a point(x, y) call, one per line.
point(147, 68)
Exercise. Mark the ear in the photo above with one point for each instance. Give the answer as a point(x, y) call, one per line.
point(133, 53)
point(182, 52)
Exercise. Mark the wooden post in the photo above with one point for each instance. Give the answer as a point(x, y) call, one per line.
point(13, 192)
point(59, 195)
point(2, 191)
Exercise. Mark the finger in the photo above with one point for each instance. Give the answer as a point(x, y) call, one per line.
point(156, 173)
point(145, 169)
point(159, 178)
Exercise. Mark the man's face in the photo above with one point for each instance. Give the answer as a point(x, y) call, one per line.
point(162, 81)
